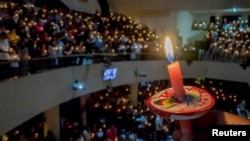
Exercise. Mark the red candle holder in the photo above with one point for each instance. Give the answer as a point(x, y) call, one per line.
point(195, 103)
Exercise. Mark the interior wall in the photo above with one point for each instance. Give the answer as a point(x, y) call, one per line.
point(88, 6)
point(132, 5)
point(163, 24)
point(184, 23)
point(173, 24)
point(184, 26)
point(199, 35)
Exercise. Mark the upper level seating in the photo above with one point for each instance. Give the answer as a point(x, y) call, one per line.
point(30, 32)
point(228, 41)
point(44, 38)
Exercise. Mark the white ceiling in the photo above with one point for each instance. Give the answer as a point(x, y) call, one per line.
point(140, 7)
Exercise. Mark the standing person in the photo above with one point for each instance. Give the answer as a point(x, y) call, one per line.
point(23, 138)
point(53, 49)
point(34, 52)
point(142, 123)
point(50, 136)
point(5, 52)
point(68, 50)
point(14, 66)
point(131, 136)
point(158, 127)
point(80, 137)
point(87, 135)
point(111, 133)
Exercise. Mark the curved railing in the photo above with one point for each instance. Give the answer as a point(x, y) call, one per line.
point(15, 69)
point(42, 64)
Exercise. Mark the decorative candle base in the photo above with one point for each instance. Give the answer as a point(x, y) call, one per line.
point(195, 103)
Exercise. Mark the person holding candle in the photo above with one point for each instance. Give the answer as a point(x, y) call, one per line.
point(53, 53)
point(5, 52)
point(111, 133)
point(13, 38)
point(14, 56)
point(201, 125)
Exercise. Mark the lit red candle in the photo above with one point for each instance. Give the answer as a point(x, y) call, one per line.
point(175, 77)
point(174, 70)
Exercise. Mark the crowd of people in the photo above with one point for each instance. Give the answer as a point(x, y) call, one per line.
point(113, 109)
point(228, 41)
point(29, 32)
point(43, 38)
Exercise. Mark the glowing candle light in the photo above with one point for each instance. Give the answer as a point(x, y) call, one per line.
point(174, 70)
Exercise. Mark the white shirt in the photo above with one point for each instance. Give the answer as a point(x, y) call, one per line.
point(137, 47)
point(15, 57)
point(131, 137)
point(4, 46)
point(100, 134)
point(242, 105)
point(158, 123)
point(86, 135)
point(60, 46)
point(143, 120)
point(53, 51)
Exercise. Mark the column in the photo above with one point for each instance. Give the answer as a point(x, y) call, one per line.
point(134, 94)
point(83, 100)
point(52, 121)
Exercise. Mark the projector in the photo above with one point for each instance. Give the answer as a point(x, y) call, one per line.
point(78, 86)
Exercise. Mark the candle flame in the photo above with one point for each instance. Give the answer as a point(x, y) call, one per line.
point(169, 50)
